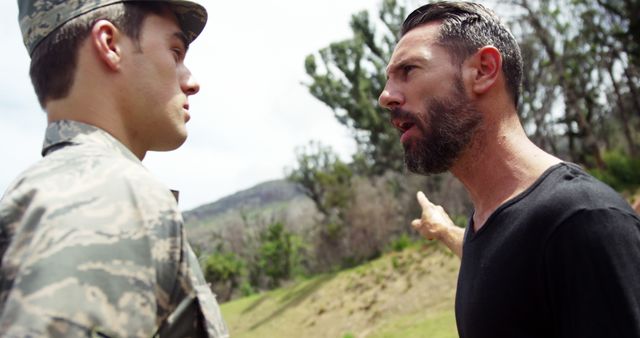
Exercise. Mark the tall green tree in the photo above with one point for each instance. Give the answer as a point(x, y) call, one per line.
point(278, 254)
point(349, 76)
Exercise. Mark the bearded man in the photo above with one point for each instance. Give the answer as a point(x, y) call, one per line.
point(549, 251)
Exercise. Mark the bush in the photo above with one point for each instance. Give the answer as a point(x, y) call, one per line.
point(223, 271)
point(246, 289)
point(622, 172)
point(460, 220)
point(278, 254)
point(401, 242)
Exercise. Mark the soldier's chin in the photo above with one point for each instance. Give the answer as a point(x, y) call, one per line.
point(172, 144)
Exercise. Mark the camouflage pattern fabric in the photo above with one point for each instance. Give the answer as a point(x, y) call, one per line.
point(91, 245)
point(38, 18)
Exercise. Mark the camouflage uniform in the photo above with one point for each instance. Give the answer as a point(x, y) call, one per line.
point(92, 243)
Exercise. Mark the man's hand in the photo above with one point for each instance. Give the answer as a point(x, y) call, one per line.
point(436, 224)
point(434, 220)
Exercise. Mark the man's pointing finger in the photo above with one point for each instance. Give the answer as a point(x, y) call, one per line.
point(423, 200)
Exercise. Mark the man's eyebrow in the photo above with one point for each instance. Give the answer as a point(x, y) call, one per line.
point(394, 67)
point(182, 37)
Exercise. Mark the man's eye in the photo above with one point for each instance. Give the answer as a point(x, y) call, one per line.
point(408, 68)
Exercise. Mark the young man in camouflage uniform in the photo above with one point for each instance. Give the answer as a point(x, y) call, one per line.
point(91, 244)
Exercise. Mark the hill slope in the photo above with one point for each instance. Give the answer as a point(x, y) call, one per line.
point(265, 203)
point(405, 294)
point(257, 197)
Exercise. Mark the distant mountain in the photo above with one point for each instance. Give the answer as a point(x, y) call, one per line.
point(248, 210)
point(257, 197)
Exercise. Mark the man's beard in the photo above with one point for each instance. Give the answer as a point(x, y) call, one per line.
point(447, 129)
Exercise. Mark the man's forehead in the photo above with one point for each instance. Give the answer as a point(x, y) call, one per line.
point(425, 34)
point(417, 43)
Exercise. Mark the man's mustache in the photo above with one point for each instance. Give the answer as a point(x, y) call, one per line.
point(402, 114)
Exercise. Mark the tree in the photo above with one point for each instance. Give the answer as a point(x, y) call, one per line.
point(580, 83)
point(324, 178)
point(349, 78)
point(278, 253)
point(224, 271)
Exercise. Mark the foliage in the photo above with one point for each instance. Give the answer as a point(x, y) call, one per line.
point(581, 77)
point(224, 271)
point(460, 220)
point(246, 289)
point(327, 181)
point(622, 172)
point(278, 254)
point(401, 242)
point(253, 260)
point(324, 178)
point(349, 76)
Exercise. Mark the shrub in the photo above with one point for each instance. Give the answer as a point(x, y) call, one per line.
point(401, 242)
point(622, 172)
point(223, 271)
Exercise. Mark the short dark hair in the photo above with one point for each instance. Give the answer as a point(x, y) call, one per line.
point(466, 27)
point(54, 60)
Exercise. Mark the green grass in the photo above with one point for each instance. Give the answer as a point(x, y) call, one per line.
point(439, 325)
point(401, 294)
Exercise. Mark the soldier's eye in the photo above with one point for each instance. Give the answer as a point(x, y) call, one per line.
point(178, 53)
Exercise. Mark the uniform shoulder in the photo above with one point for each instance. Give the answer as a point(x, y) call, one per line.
point(74, 179)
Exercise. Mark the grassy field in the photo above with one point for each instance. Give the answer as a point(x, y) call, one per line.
point(402, 294)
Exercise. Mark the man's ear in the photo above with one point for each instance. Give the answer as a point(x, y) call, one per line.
point(106, 39)
point(487, 64)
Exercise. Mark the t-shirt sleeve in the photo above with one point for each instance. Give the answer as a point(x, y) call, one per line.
point(592, 272)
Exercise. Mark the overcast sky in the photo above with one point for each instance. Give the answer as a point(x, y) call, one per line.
point(251, 112)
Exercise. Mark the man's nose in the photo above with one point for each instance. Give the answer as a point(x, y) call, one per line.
point(390, 98)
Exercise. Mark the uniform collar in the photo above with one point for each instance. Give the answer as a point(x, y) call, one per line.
point(64, 133)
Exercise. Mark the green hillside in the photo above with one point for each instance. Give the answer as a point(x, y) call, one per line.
point(402, 294)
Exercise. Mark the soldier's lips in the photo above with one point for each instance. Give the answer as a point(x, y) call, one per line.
point(185, 109)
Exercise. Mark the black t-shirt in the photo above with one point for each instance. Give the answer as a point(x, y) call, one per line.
point(562, 259)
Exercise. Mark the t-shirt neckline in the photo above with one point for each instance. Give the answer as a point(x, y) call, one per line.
point(473, 234)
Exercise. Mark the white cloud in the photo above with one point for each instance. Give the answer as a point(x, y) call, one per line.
point(251, 111)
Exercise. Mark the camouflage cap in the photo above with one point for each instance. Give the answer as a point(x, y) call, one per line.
point(38, 18)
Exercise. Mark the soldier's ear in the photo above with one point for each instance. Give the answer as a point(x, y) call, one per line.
point(107, 39)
